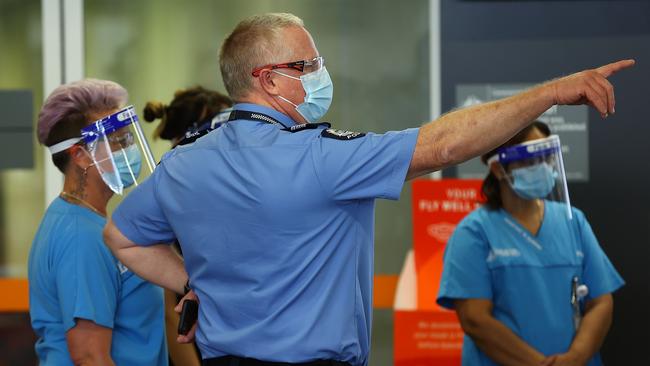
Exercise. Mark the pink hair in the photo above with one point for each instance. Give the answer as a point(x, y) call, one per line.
point(83, 96)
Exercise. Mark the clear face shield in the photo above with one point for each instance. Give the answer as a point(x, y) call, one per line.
point(535, 170)
point(119, 149)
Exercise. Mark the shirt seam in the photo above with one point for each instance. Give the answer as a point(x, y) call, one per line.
point(135, 234)
point(222, 148)
point(354, 288)
point(123, 221)
point(76, 244)
point(313, 164)
point(76, 273)
point(394, 184)
point(454, 273)
point(155, 195)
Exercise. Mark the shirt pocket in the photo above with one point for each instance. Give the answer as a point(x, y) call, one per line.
point(555, 254)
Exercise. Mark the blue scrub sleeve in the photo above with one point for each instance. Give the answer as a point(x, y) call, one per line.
point(465, 273)
point(141, 218)
point(372, 166)
point(599, 274)
point(87, 281)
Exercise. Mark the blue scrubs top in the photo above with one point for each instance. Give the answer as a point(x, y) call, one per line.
point(73, 275)
point(527, 277)
point(276, 230)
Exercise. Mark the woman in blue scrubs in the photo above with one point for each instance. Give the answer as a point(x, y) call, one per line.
point(528, 280)
point(86, 307)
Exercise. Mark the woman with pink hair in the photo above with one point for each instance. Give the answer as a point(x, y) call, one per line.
point(85, 306)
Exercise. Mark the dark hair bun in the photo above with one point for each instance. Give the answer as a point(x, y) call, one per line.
point(154, 110)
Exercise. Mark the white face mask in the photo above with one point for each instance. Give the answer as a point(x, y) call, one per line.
point(319, 91)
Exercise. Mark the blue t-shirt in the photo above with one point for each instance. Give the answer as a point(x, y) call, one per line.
point(73, 275)
point(276, 230)
point(527, 277)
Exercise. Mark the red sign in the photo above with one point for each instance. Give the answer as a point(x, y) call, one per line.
point(425, 338)
point(438, 206)
point(431, 335)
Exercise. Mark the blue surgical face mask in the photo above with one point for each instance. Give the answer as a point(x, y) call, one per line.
point(535, 181)
point(128, 162)
point(318, 94)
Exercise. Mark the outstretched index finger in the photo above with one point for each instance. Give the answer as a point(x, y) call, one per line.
point(614, 67)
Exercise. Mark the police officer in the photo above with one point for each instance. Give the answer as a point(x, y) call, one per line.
point(275, 211)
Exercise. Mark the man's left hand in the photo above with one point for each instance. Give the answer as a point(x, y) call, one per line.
point(189, 337)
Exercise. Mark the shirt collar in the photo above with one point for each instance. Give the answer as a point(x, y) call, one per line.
point(281, 117)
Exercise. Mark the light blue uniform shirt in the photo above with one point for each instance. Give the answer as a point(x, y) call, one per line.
point(73, 275)
point(528, 278)
point(276, 230)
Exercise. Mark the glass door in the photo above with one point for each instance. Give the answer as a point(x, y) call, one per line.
point(21, 169)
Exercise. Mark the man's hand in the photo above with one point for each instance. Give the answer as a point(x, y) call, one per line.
point(472, 131)
point(189, 337)
point(589, 87)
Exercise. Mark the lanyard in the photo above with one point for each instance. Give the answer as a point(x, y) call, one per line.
point(261, 117)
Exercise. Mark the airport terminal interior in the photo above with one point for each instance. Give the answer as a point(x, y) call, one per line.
point(394, 65)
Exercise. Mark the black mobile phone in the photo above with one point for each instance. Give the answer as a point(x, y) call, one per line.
point(188, 316)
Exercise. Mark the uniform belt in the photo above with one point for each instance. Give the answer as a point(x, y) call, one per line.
point(240, 361)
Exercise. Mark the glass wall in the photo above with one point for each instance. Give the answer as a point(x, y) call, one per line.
point(21, 190)
point(376, 52)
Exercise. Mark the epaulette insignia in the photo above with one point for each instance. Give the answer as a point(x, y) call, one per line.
point(333, 133)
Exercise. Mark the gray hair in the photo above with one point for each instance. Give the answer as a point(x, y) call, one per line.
point(255, 41)
point(75, 101)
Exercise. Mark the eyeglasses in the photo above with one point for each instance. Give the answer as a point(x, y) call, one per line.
point(119, 141)
point(302, 66)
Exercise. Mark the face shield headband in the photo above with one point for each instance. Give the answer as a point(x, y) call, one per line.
point(109, 124)
point(541, 148)
point(542, 175)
